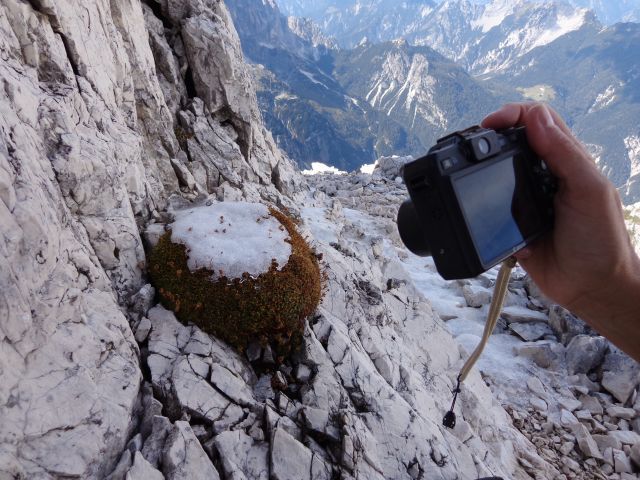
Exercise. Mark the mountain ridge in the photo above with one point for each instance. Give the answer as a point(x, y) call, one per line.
point(320, 113)
point(524, 50)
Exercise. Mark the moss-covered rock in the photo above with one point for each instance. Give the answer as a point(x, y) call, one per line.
point(269, 307)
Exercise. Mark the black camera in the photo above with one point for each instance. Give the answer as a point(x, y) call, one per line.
point(477, 197)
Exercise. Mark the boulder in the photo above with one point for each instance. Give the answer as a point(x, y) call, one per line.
point(290, 460)
point(530, 332)
point(390, 167)
point(616, 411)
point(544, 353)
point(565, 325)
point(584, 353)
point(518, 314)
point(242, 455)
point(635, 454)
point(621, 375)
point(142, 470)
point(587, 444)
point(476, 296)
point(183, 456)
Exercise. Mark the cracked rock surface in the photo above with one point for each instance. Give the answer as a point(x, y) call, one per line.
point(92, 94)
point(567, 389)
point(114, 114)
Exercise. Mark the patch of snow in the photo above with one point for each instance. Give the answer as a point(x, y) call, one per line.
point(322, 229)
point(633, 150)
point(441, 293)
point(425, 11)
point(603, 99)
point(493, 15)
point(363, 41)
point(564, 25)
point(368, 168)
point(404, 82)
point(498, 361)
point(311, 77)
point(319, 167)
point(286, 96)
point(632, 219)
point(231, 238)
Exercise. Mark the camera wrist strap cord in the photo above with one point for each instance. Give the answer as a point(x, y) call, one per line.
point(499, 294)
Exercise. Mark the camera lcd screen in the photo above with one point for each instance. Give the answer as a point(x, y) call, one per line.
point(498, 208)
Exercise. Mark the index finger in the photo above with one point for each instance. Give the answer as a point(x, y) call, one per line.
point(517, 114)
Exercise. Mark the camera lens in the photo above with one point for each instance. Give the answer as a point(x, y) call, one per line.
point(410, 229)
point(484, 146)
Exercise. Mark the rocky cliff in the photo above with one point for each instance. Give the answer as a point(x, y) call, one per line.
point(113, 113)
point(108, 109)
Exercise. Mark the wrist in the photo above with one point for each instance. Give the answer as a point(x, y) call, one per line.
point(612, 310)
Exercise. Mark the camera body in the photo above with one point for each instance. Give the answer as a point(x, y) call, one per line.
point(477, 197)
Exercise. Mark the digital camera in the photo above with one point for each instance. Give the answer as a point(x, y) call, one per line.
point(477, 197)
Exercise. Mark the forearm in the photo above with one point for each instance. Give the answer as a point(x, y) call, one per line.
point(614, 310)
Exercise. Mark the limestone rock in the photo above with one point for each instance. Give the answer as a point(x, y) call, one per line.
point(626, 437)
point(621, 462)
point(544, 353)
point(617, 411)
point(142, 470)
point(621, 375)
point(518, 314)
point(635, 454)
point(154, 443)
point(585, 441)
point(607, 441)
point(390, 167)
point(584, 353)
point(183, 456)
point(476, 296)
point(243, 457)
point(88, 122)
point(196, 396)
point(142, 332)
point(290, 460)
point(530, 332)
point(232, 386)
point(565, 324)
point(591, 404)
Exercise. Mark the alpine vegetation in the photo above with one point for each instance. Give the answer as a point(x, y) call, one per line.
point(240, 271)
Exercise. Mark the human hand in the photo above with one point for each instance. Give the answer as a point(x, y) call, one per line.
point(587, 263)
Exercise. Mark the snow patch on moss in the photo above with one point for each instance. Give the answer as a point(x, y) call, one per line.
point(235, 237)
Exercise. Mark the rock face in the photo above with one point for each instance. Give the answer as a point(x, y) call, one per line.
point(99, 120)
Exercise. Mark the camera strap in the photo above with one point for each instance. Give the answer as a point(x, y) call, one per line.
point(499, 294)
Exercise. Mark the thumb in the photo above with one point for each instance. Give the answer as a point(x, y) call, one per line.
point(562, 153)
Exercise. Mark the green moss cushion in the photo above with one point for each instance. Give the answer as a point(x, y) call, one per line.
point(269, 307)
